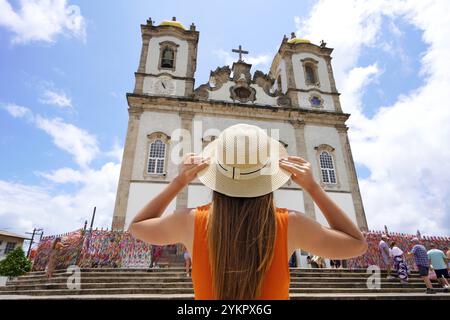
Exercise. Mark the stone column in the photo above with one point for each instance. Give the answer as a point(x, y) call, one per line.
point(139, 85)
point(335, 97)
point(186, 124)
point(129, 151)
point(291, 86)
point(190, 70)
point(299, 129)
point(352, 177)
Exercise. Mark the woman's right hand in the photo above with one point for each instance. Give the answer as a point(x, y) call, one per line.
point(301, 172)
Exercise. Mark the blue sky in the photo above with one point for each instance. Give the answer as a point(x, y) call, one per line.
point(71, 77)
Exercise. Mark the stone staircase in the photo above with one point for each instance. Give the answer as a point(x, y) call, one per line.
point(172, 283)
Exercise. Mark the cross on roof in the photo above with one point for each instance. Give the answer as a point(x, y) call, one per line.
point(240, 51)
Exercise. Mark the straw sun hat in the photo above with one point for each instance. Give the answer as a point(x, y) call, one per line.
point(244, 162)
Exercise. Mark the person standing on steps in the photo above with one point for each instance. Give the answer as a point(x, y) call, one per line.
point(319, 261)
point(386, 255)
point(52, 260)
point(400, 264)
point(187, 262)
point(241, 241)
point(156, 254)
point(421, 259)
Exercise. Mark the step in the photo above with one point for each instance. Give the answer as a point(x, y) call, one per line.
point(165, 285)
point(171, 272)
point(183, 278)
point(181, 268)
point(102, 291)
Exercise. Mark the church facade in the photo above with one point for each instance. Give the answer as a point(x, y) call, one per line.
point(298, 97)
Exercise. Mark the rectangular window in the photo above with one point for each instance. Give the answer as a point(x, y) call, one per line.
point(10, 247)
point(156, 157)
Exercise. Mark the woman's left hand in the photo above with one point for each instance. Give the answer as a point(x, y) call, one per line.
point(192, 164)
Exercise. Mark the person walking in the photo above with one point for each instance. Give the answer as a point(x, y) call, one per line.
point(383, 247)
point(309, 260)
point(319, 261)
point(439, 262)
point(240, 241)
point(51, 264)
point(448, 257)
point(399, 263)
point(423, 265)
point(187, 262)
point(156, 255)
point(335, 263)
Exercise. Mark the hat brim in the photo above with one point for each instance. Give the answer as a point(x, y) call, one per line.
point(249, 188)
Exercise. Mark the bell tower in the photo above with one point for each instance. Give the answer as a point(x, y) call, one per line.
point(168, 59)
point(303, 72)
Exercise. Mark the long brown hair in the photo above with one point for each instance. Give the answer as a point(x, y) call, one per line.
point(241, 239)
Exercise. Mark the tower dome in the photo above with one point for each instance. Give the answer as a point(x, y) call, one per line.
point(173, 23)
point(296, 40)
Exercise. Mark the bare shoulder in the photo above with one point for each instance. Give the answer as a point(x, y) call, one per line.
point(296, 216)
point(184, 216)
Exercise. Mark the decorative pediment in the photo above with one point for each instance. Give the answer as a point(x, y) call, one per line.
point(220, 76)
point(263, 80)
point(242, 91)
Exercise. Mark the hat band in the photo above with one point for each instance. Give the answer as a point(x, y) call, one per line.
point(236, 173)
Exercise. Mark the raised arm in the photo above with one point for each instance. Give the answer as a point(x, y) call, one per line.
point(342, 240)
point(149, 226)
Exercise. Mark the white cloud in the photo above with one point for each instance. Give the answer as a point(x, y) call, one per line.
point(42, 20)
point(17, 111)
point(116, 152)
point(63, 175)
point(23, 207)
point(56, 98)
point(405, 145)
point(79, 143)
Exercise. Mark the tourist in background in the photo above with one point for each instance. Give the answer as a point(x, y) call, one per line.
point(335, 263)
point(439, 262)
point(320, 262)
point(448, 257)
point(399, 263)
point(421, 259)
point(293, 260)
point(51, 264)
point(311, 262)
point(187, 262)
point(385, 254)
point(156, 254)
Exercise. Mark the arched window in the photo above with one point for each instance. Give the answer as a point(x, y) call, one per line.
point(310, 74)
point(327, 167)
point(310, 71)
point(167, 58)
point(156, 157)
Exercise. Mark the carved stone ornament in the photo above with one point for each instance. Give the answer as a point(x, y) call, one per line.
point(220, 76)
point(202, 92)
point(242, 91)
point(263, 80)
point(284, 100)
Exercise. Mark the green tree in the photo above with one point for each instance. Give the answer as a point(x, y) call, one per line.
point(15, 264)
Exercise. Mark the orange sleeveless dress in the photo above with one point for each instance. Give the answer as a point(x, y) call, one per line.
point(276, 281)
